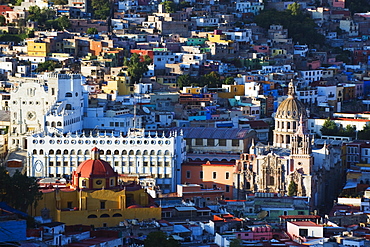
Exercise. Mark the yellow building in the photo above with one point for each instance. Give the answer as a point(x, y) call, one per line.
point(192, 90)
point(231, 91)
point(96, 198)
point(38, 48)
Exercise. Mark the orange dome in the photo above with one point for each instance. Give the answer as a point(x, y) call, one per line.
point(135, 206)
point(95, 168)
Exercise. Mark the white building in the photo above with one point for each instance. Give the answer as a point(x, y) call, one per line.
point(305, 229)
point(53, 104)
point(153, 155)
point(311, 75)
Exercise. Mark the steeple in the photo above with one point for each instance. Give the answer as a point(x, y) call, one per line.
point(291, 90)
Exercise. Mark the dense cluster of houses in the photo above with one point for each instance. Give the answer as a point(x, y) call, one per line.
point(220, 142)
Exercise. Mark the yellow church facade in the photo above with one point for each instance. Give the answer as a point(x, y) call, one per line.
point(95, 198)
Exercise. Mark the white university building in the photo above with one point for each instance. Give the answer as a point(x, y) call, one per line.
point(48, 115)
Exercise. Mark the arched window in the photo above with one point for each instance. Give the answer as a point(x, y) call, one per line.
point(51, 151)
point(92, 216)
point(124, 152)
point(109, 152)
point(104, 216)
point(117, 215)
point(138, 152)
point(68, 95)
point(159, 152)
point(53, 124)
point(59, 151)
point(34, 151)
point(87, 152)
point(166, 152)
point(47, 123)
point(65, 151)
point(41, 151)
point(145, 152)
point(116, 152)
point(73, 152)
point(131, 152)
point(152, 152)
point(101, 151)
point(59, 123)
point(68, 107)
point(79, 152)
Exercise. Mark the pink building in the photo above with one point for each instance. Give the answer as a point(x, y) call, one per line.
point(339, 3)
point(259, 232)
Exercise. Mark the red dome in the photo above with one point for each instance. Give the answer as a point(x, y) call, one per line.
point(135, 206)
point(95, 168)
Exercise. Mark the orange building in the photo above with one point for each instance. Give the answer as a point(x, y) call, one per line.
point(143, 53)
point(217, 176)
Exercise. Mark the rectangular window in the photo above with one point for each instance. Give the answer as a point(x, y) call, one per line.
point(111, 124)
point(235, 143)
point(116, 163)
point(222, 142)
point(69, 204)
point(227, 175)
point(58, 163)
point(167, 176)
point(152, 163)
point(65, 163)
point(51, 163)
point(160, 163)
point(187, 174)
point(102, 204)
point(131, 163)
point(214, 175)
point(199, 142)
point(167, 163)
point(227, 188)
point(145, 163)
point(201, 175)
point(124, 163)
point(210, 142)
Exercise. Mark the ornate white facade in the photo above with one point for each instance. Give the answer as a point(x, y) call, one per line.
point(53, 104)
point(156, 155)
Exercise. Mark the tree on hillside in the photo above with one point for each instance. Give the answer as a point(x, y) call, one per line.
point(236, 242)
point(101, 9)
point(136, 68)
point(92, 30)
point(159, 238)
point(301, 27)
point(2, 20)
point(18, 191)
point(183, 81)
point(364, 134)
point(294, 8)
point(329, 128)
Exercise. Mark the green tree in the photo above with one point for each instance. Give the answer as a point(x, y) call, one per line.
point(183, 81)
point(295, 8)
point(236, 242)
point(135, 67)
point(301, 27)
point(48, 66)
point(364, 134)
point(159, 238)
point(292, 189)
point(211, 80)
point(2, 20)
point(18, 191)
point(349, 131)
point(92, 30)
point(358, 6)
point(60, 2)
point(63, 22)
point(329, 128)
point(229, 80)
point(101, 9)
point(169, 6)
